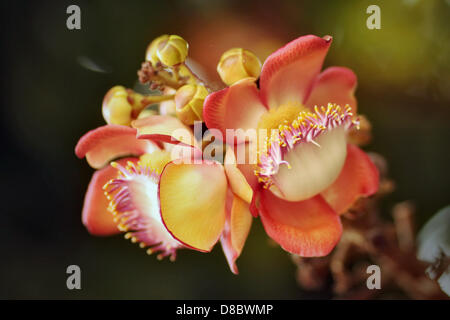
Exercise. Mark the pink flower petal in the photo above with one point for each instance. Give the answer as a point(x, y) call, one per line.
point(235, 107)
point(287, 75)
point(109, 142)
point(96, 217)
point(334, 85)
point(358, 178)
point(309, 228)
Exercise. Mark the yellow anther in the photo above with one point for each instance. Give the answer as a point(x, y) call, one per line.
point(114, 164)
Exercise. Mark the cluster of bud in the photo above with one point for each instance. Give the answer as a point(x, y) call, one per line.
point(165, 70)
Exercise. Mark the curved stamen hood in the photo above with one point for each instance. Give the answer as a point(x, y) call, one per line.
point(134, 203)
point(312, 149)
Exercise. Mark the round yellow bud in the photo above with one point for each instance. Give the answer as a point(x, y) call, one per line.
point(150, 53)
point(116, 107)
point(172, 51)
point(189, 103)
point(237, 64)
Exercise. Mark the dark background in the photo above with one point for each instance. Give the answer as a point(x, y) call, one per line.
point(49, 100)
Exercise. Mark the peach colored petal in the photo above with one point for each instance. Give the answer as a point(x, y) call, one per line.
point(236, 178)
point(334, 85)
point(95, 216)
point(109, 142)
point(309, 228)
point(165, 129)
point(237, 227)
point(287, 75)
point(235, 107)
point(192, 202)
point(359, 178)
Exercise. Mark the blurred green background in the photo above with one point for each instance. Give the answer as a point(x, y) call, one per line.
point(50, 99)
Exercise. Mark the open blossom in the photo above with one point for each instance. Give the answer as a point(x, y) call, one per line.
point(161, 203)
point(307, 173)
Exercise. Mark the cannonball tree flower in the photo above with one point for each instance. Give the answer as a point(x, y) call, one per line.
point(105, 215)
point(306, 172)
point(159, 202)
point(201, 201)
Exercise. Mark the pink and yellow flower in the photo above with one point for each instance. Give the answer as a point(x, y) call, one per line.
point(307, 173)
point(160, 203)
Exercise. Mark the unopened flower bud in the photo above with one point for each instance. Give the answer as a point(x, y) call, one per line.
point(172, 50)
point(189, 103)
point(236, 64)
point(122, 105)
point(116, 107)
point(150, 54)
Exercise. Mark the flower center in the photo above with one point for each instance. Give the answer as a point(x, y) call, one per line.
point(312, 146)
point(284, 114)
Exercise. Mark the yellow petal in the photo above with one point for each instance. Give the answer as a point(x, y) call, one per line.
point(236, 179)
point(192, 200)
point(237, 227)
point(155, 160)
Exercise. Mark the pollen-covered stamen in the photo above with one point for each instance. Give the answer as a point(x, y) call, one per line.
point(270, 159)
point(307, 128)
point(134, 203)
